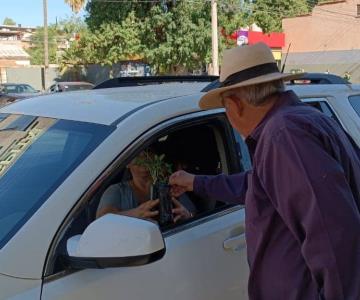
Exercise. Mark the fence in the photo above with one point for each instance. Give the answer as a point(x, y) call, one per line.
point(35, 75)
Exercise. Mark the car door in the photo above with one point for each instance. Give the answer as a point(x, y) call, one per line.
point(205, 259)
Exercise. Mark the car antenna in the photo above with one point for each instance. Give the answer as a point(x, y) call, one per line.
point(287, 53)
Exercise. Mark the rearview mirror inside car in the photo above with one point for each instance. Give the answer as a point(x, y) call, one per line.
point(115, 241)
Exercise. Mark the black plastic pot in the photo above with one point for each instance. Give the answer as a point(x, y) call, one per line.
point(161, 191)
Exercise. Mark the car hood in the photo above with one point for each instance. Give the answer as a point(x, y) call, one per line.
point(18, 288)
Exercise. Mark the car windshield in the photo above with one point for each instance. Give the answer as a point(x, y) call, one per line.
point(18, 89)
point(36, 155)
point(76, 87)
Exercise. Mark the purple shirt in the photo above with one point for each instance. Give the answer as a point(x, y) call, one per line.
point(302, 202)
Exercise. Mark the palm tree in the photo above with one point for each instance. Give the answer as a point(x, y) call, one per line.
point(75, 5)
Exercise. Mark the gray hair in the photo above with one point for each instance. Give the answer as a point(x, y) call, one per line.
point(258, 94)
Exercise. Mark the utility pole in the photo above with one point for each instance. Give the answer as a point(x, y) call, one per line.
point(46, 45)
point(214, 38)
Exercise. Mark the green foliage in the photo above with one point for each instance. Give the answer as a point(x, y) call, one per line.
point(9, 21)
point(159, 170)
point(99, 12)
point(268, 14)
point(179, 39)
point(172, 36)
point(37, 46)
point(70, 26)
point(111, 43)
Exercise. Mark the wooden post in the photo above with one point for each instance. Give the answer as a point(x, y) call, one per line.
point(214, 39)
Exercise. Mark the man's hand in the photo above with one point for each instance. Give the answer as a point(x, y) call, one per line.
point(144, 210)
point(181, 182)
point(179, 211)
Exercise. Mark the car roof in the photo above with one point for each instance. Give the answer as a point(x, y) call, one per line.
point(9, 83)
point(103, 106)
point(324, 89)
point(107, 106)
point(73, 83)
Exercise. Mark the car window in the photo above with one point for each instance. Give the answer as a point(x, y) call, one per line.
point(36, 155)
point(28, 89)
point(10, 89)
point(52, 88)
point(322, 105)
point(355, 103)
point(76, 87)
point(243, 152)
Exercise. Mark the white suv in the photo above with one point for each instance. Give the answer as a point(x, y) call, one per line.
point(58, 153)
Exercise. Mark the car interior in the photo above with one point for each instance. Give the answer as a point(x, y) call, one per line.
point(197, 149)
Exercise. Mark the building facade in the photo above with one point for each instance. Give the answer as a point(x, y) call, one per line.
point(14, 40)
point(327, 40)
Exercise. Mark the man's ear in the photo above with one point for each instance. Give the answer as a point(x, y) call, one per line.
point(236, 105)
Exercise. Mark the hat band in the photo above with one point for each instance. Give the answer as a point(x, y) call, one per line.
point(250, 73)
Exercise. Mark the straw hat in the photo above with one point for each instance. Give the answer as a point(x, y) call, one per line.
point(244, 66)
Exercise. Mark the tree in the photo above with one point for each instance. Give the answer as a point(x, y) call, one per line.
point(172, 36)
point(179, 39)
point(36, 50)
point(76, 5)
point(99, 12)
point(9, 21)
point(268, 14)
point(111, 43)
point(71, 26)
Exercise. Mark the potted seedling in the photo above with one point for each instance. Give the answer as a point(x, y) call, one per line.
point(159, 172)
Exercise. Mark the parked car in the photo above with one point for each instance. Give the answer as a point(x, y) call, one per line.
point(58, 154)
point(67, 86)
point(18, 90)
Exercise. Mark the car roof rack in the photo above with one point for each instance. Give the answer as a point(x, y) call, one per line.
point(319, 78)
point(150, 80)
point(307, 78)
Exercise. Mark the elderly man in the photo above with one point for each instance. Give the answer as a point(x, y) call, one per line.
point(302, 198)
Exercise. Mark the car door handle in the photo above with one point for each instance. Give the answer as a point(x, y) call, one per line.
point(236, 243)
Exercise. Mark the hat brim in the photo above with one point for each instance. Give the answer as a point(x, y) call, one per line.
point(212, 98)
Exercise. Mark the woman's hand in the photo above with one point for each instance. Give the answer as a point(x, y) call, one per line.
point(145, 210)
point(179, 211)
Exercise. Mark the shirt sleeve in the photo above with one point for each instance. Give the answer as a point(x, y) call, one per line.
point(309, 190)
point(111, 197)
point(228, 188)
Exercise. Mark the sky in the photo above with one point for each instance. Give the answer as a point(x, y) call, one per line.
point(30, 12)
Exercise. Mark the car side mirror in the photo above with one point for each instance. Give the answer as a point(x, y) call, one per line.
point(115, 241)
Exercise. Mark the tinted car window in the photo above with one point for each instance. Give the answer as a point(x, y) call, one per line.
point(76, 87)
point(19, 88)
point(35, 159)
point(355, 103)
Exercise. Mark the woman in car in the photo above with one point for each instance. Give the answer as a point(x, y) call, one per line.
point(131, 197)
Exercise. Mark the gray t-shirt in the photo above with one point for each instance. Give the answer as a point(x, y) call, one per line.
point(121, 196)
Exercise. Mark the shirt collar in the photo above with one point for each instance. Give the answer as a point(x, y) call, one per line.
point(285, 99)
